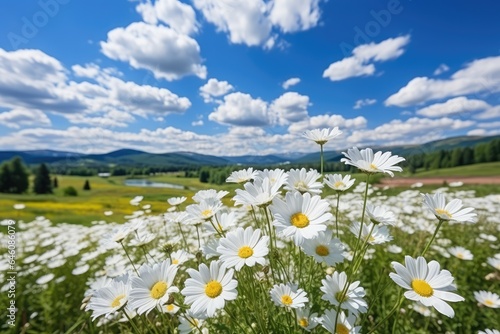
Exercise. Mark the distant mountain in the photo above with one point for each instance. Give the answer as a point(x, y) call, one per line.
point(135, 158)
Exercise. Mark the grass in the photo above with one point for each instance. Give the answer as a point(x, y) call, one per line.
point(484, 169)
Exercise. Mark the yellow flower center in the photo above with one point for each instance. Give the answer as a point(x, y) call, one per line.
point(422, 288)
point(175, 261)
point(303, 322)
point(322, 250)
point(443, 212)
point(341, 298)
point(321, 141)
point(170, 307)
point(213, 289)
point(301, 186)
point(117, 300)
point(159, 289)
point(207, 213)
point(245, 252)
point(371, 238)
point(373, 166)
point(488, 302)
point(339, 184)
point(341, 329)
point(299, 220)
point(287, 300)
point(460, 256)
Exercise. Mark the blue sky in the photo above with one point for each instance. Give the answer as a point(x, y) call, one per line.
point(230, 77)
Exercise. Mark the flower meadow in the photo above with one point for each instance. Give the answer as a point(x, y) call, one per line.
point(283, 258)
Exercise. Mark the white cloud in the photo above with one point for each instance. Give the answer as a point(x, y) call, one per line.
point(412, 130)
point(492, 112)
point(478, 76)
point(294, 15)
point(177, 15)
point(322, 121)
point(441, 69)
point(16, 118)
point(243, 110)
point(364, 102)
point(453, 106)
point(361, 62)
point(290, 82)
point(214, 88)
point(159, 49)
point(197, 123)
point(290, 107)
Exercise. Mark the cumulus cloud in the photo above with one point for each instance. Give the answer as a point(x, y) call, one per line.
point(363, 57)
point(322, 121)
point(294, 15)
point(241, 109)
point(16, 118)
point(290, 107)
point(290, 82)
point(165, 52)
point(214, 88)
point(364, 102)
point(177, 15)
point(478, 76)
point(441, 69)
point(453, 106)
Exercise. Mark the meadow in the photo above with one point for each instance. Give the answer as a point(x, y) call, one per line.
point(68, 250)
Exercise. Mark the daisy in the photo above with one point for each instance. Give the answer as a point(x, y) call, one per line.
point(306, 320)
point(487, 298)
point(242, 176)
point(169, 308)
point(379, 234)
point(380, 215)
point(190, 322)
point(448, 212)
point(203, 210)
point(345, 325)
point(209, 195)
point(494, 262)
point(142, 238)
point(338, 183)
point(322, 136)
point(223, 222)
point(303, 181)
point(370, 163)
point(300, 216)
point(259, 193)
point(288, 295)
point(426, 283)
point(115, 237)
point(175, 201)
point(208, 289)
point(324, 248)
point(109, 299)
point(489, 331)
point(153, 286)
point(243, 247)
point(335, 284)
point(461, 253)
point(180, 256)
point(136, 200)
point(277, 177)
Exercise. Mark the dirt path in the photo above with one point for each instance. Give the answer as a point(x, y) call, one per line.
point(407, 181)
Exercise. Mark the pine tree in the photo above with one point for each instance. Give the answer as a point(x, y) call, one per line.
point(5, 179)
point(19, 176)
point(86, 186)
point(55, 183)
point(42, 181)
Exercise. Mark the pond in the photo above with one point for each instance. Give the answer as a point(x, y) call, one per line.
point(147, 183)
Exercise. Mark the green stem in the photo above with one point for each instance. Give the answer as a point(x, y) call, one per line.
point(131, 322)
point(183, 237)
point(198, 235)
point(321, 159)
point(337, 215)
point(362, 218)
point(128, 256)
point(433, 237)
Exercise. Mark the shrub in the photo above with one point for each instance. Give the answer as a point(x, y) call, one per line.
point(70, 191)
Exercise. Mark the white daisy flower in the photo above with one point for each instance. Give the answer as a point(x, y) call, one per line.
point(136, 200)
point(153, 287)
point(169, 308)
point(324, 248)
point(189, 322)
point(371, 163)
point(345, 325)
point(489, 331)
point(303, 181)
point(180, 256)
point(242, 176)
point(461, 253)
point(421, 309)
point(487, 298)
point(243, 247)
point(426, 283)
point(449, 212)
point(300, 216)
point(109, 299)
point(174, 201)
point(115, 237)
point(141, 238)
point(353, 301)
point(306, 320)
point(338, 183)
point(259, 193)
point(208, 289)
point(379, 235)
point(322, 136)
point(494, 262)
point(380, 215)
point(209, 248)
point(277, 177)
point(288, 295)
point(203, 210)
point(19, 206)
point(223, 222)
point(209, 195)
